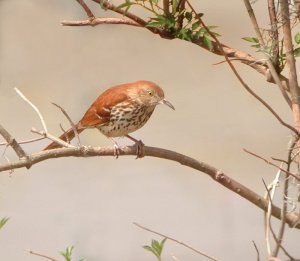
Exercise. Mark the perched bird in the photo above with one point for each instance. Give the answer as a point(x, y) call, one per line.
point(118, 111)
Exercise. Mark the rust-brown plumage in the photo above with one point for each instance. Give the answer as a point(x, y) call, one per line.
point(119, 110)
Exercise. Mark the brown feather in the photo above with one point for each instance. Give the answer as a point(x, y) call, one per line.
point(99, 112)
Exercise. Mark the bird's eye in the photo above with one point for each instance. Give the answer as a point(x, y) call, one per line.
point(150, 93)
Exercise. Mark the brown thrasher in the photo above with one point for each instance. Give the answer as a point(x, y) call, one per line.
point(118, 111)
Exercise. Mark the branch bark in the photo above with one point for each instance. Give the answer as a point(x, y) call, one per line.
point(217, 175)
point(290, 60)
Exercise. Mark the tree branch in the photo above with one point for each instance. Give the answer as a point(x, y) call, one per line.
point(290, 61)
point(12, 142)
point(176, 241)
point(86, 9)
point(97, 21)
point(291, 218)
point(241, 80)
point(263, 48)
point(243, 57)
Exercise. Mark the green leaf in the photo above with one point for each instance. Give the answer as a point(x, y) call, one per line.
point(156, 246)
point(185, 34)
point(150, 249)
point(68, 253)
point(297, 52)
point(154, 24)
point(188, 16)
point(297, 38)
point(250, 39)
point(207, 42)
point(3, 222)
point(162, 243)
point(195, 25)
point(127, 4)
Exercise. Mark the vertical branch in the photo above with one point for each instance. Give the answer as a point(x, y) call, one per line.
point(292, 144)
point(166, 4)
point(180, 7)
point(290, 60)
point(274, 34)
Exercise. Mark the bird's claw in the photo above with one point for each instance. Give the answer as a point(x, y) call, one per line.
point(140, 150)
point(116, 150)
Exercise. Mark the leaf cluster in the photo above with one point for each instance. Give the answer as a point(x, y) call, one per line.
point(156, 248)
point(179, 22)
point(67, 254)
point(269, 48)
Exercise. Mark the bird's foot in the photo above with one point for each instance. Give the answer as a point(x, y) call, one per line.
point(140, 149)
point(116, 148)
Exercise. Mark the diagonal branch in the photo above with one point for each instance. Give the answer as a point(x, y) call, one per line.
point(217, 175)
point(86, 9)
point(12, 142)
point(176, 241)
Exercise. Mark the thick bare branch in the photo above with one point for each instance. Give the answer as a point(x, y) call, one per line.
point(291, 218)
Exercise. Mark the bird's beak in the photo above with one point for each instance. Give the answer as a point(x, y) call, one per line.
point(164, 101)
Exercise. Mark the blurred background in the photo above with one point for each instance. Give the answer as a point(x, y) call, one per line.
point(91, 203)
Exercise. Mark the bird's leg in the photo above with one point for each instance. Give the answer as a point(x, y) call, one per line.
point(116, 148)
point(140, 152)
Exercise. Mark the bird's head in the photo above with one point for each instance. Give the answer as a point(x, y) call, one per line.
point(150, 94)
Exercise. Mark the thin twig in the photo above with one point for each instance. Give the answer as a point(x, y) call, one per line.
point(12, 142)
point(41, 255)
point(272, 187)
point(71, 123)
point(86, 9)
point(272, 164)
point(24, 141)
point(53, 138)
point(34, 107)
point(270, 226)
point(280, 160)
point(176, 241)
point(256, 249)
point(97, 21)
point(292, 143)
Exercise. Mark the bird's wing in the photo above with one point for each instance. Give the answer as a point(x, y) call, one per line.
point(99, 112)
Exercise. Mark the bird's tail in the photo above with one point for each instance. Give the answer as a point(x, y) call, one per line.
point(67, 136)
